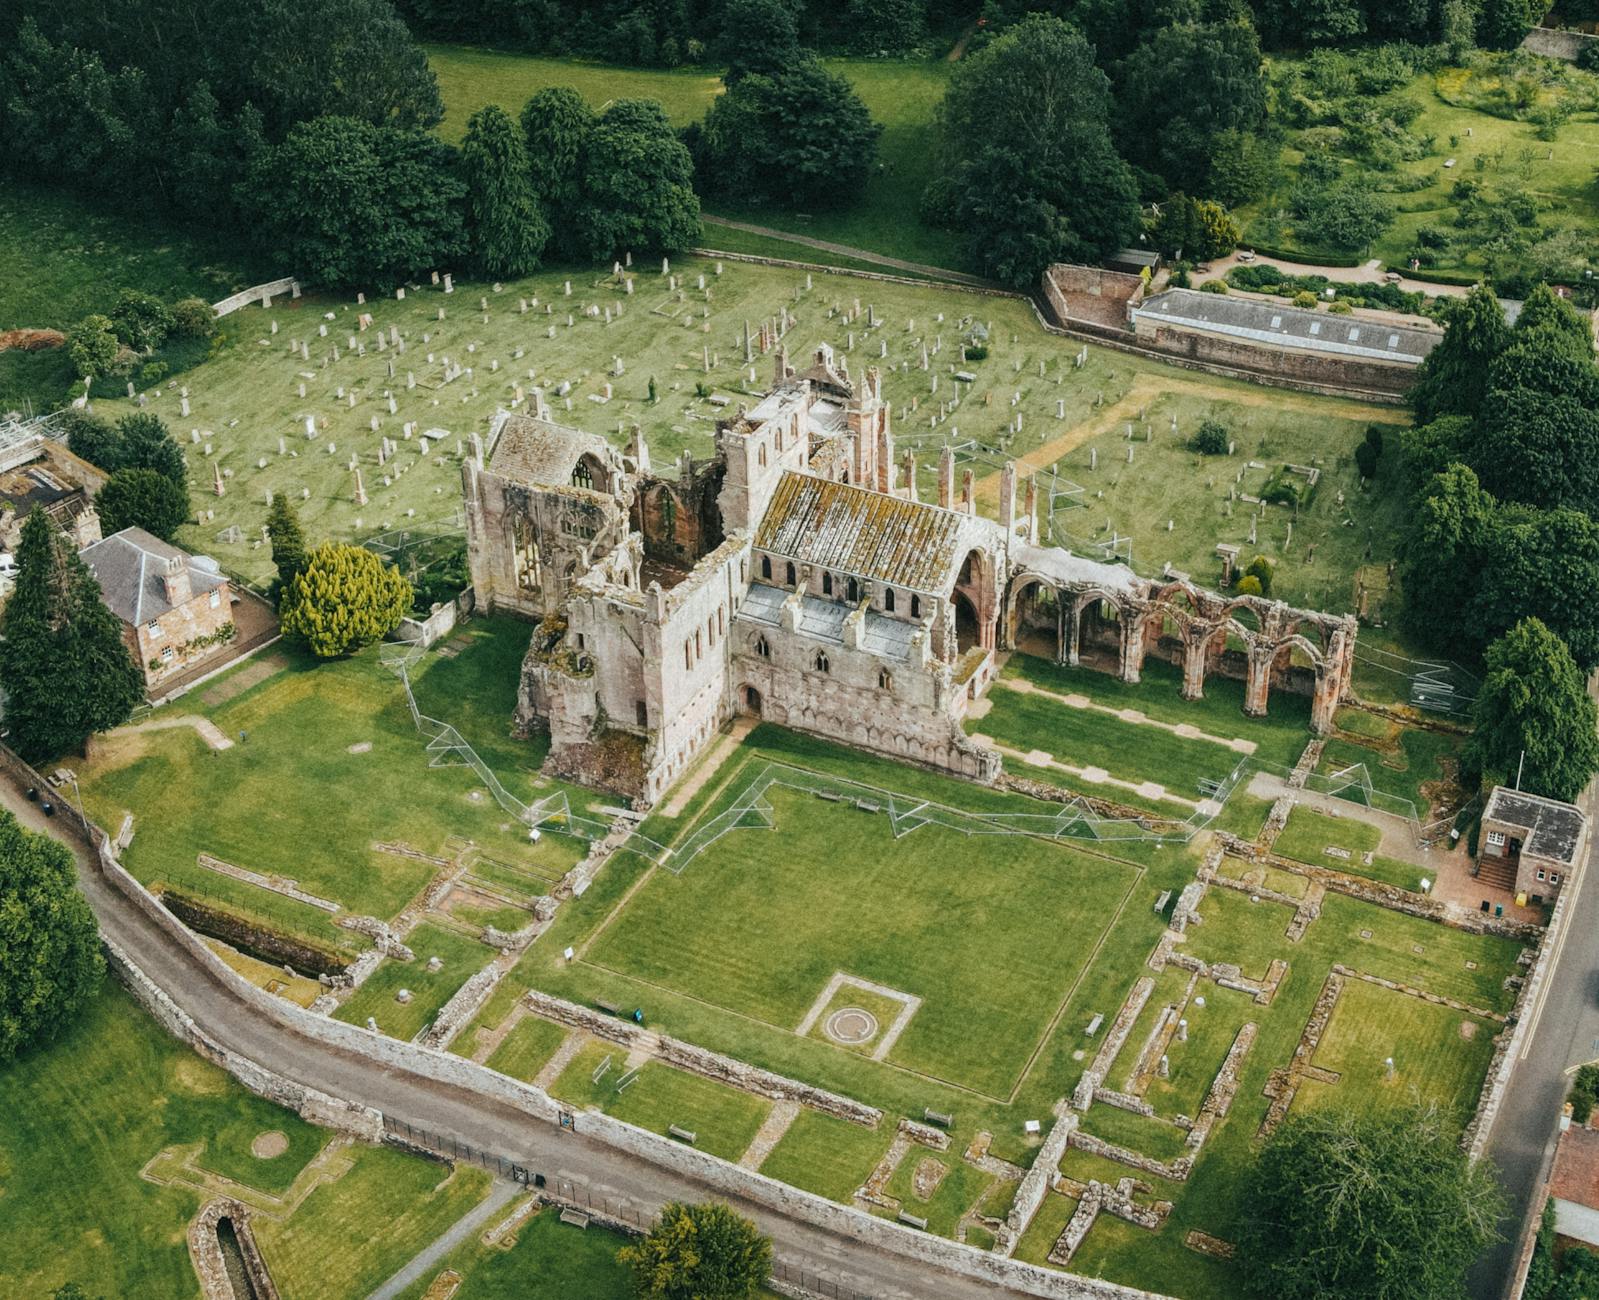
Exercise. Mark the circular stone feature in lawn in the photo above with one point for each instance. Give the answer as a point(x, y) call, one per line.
point(851, 1026)
point(269, 1145)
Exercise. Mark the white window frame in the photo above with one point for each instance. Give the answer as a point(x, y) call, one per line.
point(1496, 839)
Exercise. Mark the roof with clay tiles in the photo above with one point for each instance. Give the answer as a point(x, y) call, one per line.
point(869, 534)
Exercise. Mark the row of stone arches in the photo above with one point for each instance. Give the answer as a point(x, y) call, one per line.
point(1265, 644)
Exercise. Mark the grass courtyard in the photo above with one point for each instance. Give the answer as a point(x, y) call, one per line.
point(975, 933)
point(320, 746)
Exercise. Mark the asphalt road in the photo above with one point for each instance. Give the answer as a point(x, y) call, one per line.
point(1565, 1034)
point(459, 1113)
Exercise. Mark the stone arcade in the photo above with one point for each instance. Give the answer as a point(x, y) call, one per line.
point(797, 577)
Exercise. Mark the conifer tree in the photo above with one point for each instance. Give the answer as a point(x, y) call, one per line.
point(66, 671)
point(505, 223)
point(343, 599)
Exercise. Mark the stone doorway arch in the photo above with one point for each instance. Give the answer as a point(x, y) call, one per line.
point(749, 701)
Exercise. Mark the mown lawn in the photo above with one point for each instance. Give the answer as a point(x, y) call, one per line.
point(89, 1111)
point(430, 990)
point(351, 1235)
point(1308, 834)
point(828, 1156)
point(724, 1120)
point(548, 1261)
point(301, 797)
point(526, 1049)
point(761, 920)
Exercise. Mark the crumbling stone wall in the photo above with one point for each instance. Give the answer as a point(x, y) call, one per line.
point(252, 938)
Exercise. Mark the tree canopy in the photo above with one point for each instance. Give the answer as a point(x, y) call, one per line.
point(142, 498)
point(288, 541)
point(699, 1252)
point(1030, 175)
point(506, 225)
point(50, 962)
point(638, 184)
point(66, 670)
point(1364, 1206)
point(1533, 716)
point(1453, 379)
point(344, 598)
point(799, 137)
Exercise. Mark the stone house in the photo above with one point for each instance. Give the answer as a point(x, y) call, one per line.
point(176, 609)
point(1530, 843)
point(797, 577)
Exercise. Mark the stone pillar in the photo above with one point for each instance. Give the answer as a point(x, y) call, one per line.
point(946, 478)
point(1062, 618)
point(1074, 630)
point(968, 495)
point(1257, 686)
point(1007, 497)
point(1132, 648)
point(1194, 664)
point(1324, 702)
point(1030, 509)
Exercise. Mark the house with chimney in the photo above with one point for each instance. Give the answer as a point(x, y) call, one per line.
point(176, 609)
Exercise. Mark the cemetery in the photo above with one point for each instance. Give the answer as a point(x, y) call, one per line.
point(362, 411)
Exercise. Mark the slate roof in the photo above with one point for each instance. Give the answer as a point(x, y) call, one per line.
point(129, 567)
point(1279, 325)
point(1554, 829)
point(823, 620)
point(854, 530)
point(531, 450)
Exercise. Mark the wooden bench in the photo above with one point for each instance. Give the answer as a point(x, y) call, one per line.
point(682, 1135)
point(575, 1217)
point(938, 1117)
point(913, 1220)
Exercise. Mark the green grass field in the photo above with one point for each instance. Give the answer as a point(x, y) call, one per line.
point(549, 1260)
point(901, 96)
point(89, 1111)
point(267, 803)
point(430, 990)
point(62, 257)
point(829, 889)
point(527, 1047)
point(349, 1236)
point(1308, 834)
point(828, 1156)
point(723, 1120)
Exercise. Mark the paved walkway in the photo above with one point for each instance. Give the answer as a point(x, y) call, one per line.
point(208, 730)
point(429, 1258)
point(859, 254)
point(720, 751)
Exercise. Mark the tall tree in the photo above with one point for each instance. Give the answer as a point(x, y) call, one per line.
point(757, 36)
point(50, 961)
point(1454, 377)
point(145, 442)
point(353, 204)
point(1030, 175)
point(343, 599)
point(288, 541)
point(1542, 563)
point(1533, 717)
point(1180, 90)
point(638, 184)
point(1384, 1205)
point(556, 123)
point(1443, 551)
point(142, 498)
point(65, 668)
point(800, 138)
point(699, 1252)
point(504, 221)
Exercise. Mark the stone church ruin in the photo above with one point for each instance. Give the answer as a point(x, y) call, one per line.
point(796, 576)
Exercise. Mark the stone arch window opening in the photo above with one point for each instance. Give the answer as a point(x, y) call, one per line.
point(763, 647)
point(766, 566)
point(888, 599)
point(699, 648)
point(791, 577)
point(885, 680)
point(916, 605)
point(688, 653)
point(827, 584)
point(852, 590)
point(822, 666)
point(760, 455)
